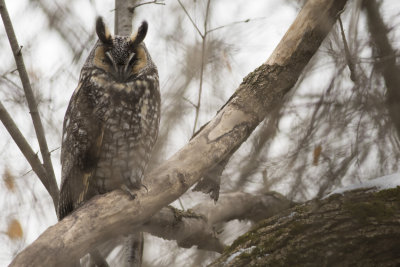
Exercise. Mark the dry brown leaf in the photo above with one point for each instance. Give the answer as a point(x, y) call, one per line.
point(317, 154)
point(14, 230)
point(9, 180)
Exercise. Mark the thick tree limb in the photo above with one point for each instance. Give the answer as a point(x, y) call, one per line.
point(242, 206)
point(50, 181)
point(359, 228)
point(115, 213)
point(195, 227)
point(187, 228)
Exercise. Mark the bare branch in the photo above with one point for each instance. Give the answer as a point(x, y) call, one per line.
point(195, 227)
point(203, 59)
point(190, 18)
point(350, 63)
point(25, 148)
point(50, 181)
point(190, 102)
point(115, 213)
point(187, 228)
point(240, 205)
point(156, 2)
point(234, 23)
point(386, 63)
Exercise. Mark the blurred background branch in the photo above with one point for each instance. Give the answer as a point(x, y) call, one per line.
point(49, 180)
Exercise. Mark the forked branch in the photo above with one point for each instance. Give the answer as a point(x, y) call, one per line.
point(50, 180)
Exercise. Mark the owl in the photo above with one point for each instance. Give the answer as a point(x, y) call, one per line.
point(111, 123)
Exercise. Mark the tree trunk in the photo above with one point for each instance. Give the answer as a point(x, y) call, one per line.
point(359, 228)
point(123, 17)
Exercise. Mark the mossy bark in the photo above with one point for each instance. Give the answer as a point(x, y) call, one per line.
point(359, 228)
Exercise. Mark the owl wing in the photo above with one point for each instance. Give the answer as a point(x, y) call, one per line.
point(82, 140)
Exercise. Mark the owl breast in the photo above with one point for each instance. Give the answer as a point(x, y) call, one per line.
point(129, 113)
point(111, 123)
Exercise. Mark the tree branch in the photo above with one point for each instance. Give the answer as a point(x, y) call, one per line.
point(386, 63)
point(195, 226)
point(190, 18)
point(115, 213)
point(186, 227)
point(347, 53)
point(242, 206)
point(50, 180)
point(359, 228)
point(25, 148)
point(156, 2)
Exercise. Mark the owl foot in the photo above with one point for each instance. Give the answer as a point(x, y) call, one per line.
point(130, 192)
point(145, 187)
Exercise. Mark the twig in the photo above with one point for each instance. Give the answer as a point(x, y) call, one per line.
point(50, 181)
point(234, 23)
point(347, 51)
point(190, 18)
point(203, 52)
point(156, 2)
point(190, 102)
point(10, 81)
point(25, 148)
point(57, 148)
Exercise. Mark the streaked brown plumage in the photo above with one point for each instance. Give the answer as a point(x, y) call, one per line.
point(112, 120)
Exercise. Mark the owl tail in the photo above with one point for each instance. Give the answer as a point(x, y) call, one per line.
point(134, 250)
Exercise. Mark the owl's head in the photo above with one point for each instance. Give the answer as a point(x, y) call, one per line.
point(121, 56)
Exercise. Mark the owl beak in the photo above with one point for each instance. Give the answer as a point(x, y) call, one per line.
point(120, 70)
point(121, 73)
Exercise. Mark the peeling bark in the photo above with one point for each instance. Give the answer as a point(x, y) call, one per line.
point(359, 228)
point(115, 213)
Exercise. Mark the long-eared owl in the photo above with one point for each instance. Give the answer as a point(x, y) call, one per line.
point(112, 120)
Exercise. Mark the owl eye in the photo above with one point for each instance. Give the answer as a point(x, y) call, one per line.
point(108, 58)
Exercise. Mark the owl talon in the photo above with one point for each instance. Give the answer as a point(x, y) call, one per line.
point(147, 190)
point(129, 191)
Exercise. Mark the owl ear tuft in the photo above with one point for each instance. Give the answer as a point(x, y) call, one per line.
point(102, 31)
point(140, 35)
